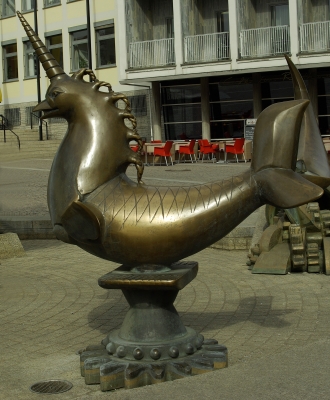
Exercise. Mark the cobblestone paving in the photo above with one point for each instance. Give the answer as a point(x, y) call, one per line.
point(23, 183)
point(51, 306)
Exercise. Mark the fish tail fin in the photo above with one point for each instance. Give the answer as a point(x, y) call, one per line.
point(276, 141)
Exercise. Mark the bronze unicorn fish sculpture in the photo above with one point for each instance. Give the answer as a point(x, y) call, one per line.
point(93, 204)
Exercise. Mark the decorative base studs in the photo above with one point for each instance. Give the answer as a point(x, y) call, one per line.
point(116, 371)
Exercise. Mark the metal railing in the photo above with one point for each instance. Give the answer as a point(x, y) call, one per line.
point(206, 48)
point(263, 42)
point(152, 53)
point(315, 37)
point(40, 121)
point(6, 126)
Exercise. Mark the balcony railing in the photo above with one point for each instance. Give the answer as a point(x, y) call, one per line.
point(264, 42)
point(152, 53)
point(315, 37)
point(206, 48)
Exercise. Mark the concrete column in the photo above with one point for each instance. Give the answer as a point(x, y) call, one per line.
point(294, 36)
point(233, 31)
point(312, 90)
point(205, 99)
point(257, 105)
point(121, 40)
point(156, 111)
point(178, 40)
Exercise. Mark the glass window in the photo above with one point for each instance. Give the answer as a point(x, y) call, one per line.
point(324, 125)
point(183, 131)
point(231, 110)
point(27, 5)
point(324, 105)
point(30, 117)
point(182, 113)
point(223, 21)
point(181, 94)
point(8, 8)
point(30, 61)
point(169, 28)
point(280, 15)
point(323, 85)
point(50, 3)
point(105, 44)
point(227, 129)
point(231, 91)
point(231, 102)
point(10, 62)
point(55, 47)
point(323, 91)
point(138, 105)
point(276, 87)
point(79, 50)
point(13, 116)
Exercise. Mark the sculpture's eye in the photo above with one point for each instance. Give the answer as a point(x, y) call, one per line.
point(55, 93)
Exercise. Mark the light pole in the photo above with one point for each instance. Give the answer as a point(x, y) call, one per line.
point(38, 70)
point(89, 48)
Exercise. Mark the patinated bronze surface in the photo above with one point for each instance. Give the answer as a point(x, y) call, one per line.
point(298, 241)
point(94, 205)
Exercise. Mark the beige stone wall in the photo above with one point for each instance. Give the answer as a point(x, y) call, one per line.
point(57, 130)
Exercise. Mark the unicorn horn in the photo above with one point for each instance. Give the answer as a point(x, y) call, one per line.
point(50, 65)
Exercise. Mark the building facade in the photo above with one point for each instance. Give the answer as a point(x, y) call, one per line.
point(191, 68)
point(62, 26)
point(214, 63)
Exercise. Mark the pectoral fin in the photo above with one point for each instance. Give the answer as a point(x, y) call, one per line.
point(82, 221)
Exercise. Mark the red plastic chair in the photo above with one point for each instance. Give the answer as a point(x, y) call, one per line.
point(206, 148)
point(136, 148)
point(188, 150)
point(155, 141)
point(164, 151)
point(237, 148)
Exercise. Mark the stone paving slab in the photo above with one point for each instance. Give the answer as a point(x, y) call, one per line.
point(276, 328)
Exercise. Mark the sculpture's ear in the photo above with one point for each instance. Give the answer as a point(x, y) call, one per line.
point(82, 222)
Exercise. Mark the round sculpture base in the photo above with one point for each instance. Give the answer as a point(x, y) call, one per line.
point(112, 372)
point(152, 344)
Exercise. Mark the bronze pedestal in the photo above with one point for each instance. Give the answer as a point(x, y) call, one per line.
point(152, 344)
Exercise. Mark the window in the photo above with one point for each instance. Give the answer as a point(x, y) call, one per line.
point(8, 8)
point(138, 105)
point(280, 15)
point(27, 5)
point(13, 116)
point(50, 3)
point(169, 28)
point(10, 61)
point(223, 21)
point(30, 116)
point(231, 102)
point(79, 50)
point(30, 61)
point(105, 44)
point(55, 47)
point(275, 88)
point(182, 111)
point(323, 89)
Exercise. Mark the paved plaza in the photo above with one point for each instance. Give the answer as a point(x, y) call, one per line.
point(276, 328)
